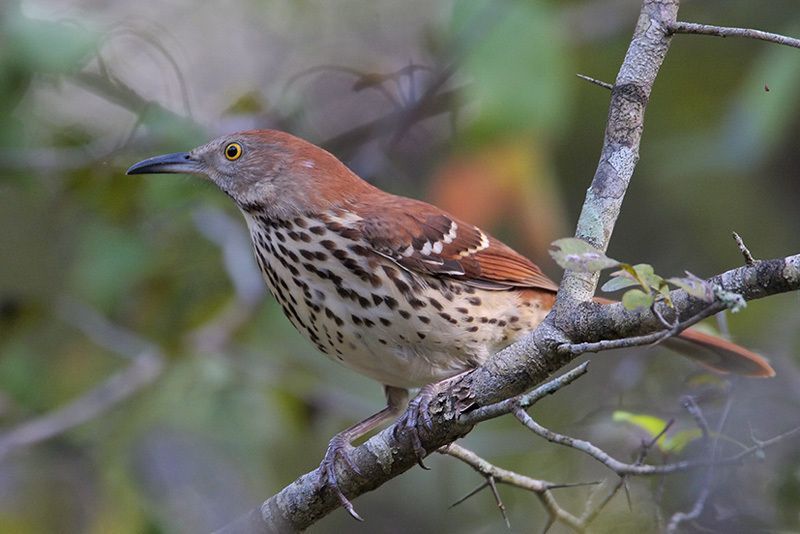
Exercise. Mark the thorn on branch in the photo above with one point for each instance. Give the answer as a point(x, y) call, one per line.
point(494, 474)
point(604, 85)
point(749, 260)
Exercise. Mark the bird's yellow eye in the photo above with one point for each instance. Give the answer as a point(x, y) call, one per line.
point(233, 151)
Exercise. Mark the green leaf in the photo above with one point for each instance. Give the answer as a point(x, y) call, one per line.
point(677, 442)
point(649, 423)
point(636, 298)
point(619, 280)
point(694, 286)
point(653, 426)
point(647, 275)
point(578, 255)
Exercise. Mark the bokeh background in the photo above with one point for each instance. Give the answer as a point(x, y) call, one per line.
point(134, 330)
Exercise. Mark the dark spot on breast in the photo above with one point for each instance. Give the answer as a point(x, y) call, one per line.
point(385, 322)
point(285, 251)
point(391, 302)
point(280, 236)
point(333, 317)
point(404, 314)
point(317, 230)
point(328, 244)
point(350, 233)
point(463, 311)
point(475, 301)
point(401, 286)
point(356, 319)
point(359, 250)
point(300, 222)
point(424, 318)
point(339, 254)
point(435, 303)
point(299, 283)
point(416, 303)
point(472, 329)
point(421, 335)
point(377, 299)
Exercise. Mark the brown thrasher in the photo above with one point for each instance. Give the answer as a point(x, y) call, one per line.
point(394, 288)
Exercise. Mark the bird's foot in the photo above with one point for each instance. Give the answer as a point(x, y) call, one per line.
point(418, 414)
point(339, 448)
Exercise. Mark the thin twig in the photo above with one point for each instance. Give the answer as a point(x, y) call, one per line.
point(528, 399)
point(723, 31)
point(638, 341)
point(493, 474)
point(623, 468)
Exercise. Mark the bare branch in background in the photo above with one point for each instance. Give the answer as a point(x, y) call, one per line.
point(493, 474)
point(145, 367)
point(623, 468)
point(722, 31)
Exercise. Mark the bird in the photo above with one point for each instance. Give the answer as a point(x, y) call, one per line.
point(391, 287)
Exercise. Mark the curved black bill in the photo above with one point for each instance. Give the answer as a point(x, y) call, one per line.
point(179, 162)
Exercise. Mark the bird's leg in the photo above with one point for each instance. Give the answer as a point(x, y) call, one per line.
point(419, 412)
point(341, 444)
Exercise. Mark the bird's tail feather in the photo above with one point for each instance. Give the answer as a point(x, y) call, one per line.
point(715, 353)
point(719, 354)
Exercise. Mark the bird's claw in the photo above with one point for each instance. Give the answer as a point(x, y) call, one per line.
point(418, 413)
point(339, 448)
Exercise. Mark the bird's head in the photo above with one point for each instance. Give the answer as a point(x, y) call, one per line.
point(265, 169)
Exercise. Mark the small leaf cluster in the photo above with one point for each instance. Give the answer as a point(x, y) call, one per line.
point(647, 287)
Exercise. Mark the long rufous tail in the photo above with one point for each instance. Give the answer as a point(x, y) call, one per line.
point(715, 353)
point(719, 354)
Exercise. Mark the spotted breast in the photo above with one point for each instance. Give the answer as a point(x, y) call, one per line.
point(359, 301)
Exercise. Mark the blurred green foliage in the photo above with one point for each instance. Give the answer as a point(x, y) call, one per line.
point(244, 404)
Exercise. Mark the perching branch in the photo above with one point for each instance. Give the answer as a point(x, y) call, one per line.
point(574, 320)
